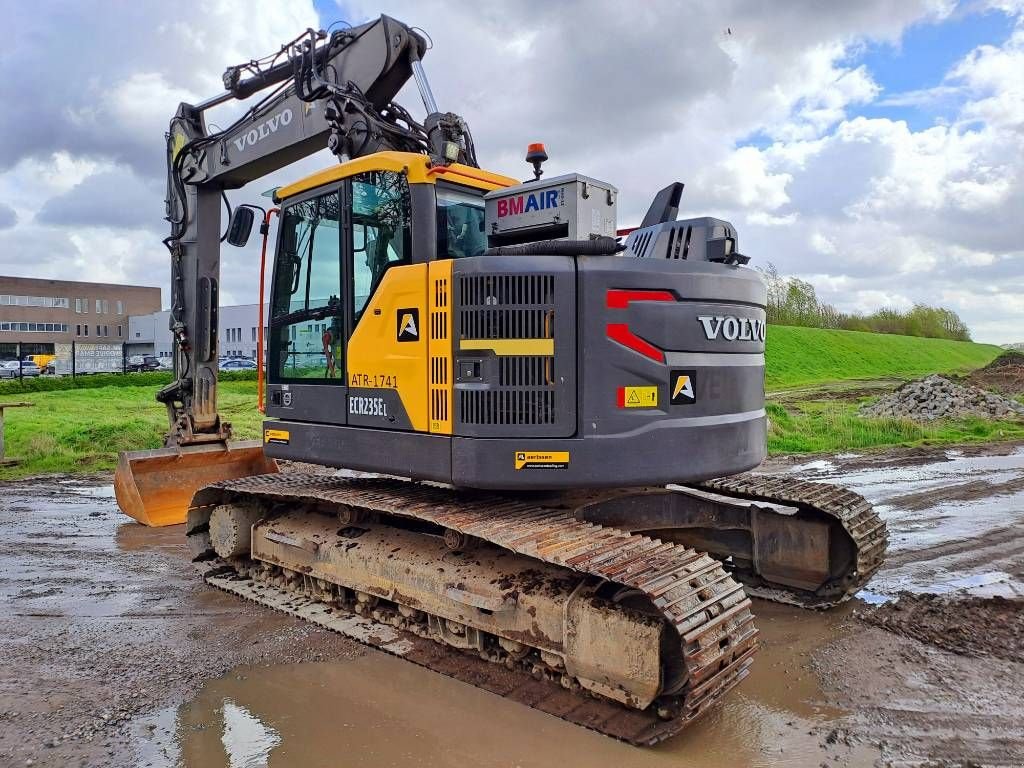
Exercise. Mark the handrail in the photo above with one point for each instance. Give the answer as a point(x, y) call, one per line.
point(265, 231)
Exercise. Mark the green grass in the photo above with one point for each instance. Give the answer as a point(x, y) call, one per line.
point(83, 429)
point(807, 356)
point(824, 426)
point(80, 425)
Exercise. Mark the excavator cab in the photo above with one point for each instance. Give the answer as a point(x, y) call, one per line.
point(342, 232)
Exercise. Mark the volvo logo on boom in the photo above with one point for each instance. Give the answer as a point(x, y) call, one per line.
point(264, 129)
point(731, 328)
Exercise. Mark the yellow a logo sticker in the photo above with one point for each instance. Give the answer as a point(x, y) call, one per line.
point(409, 324)
point(684, 391)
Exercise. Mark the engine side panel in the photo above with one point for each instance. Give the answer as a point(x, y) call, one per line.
point(670, 383)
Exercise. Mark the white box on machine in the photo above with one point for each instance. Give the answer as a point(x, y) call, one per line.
point(571, 207)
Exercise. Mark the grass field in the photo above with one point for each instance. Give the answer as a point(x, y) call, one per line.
point(82, 427)
point(823, 426)
point(82, 430)
point(808, 356)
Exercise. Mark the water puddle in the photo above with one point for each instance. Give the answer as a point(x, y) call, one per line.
point(378, 710)
point(955, 518)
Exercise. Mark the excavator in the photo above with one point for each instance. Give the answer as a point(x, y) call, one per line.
point(503, 439)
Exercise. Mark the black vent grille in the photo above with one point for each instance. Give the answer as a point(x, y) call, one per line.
point(509, 308)
point(641, 242)
point(507, 407)
point(678, 243)
point(524, 371)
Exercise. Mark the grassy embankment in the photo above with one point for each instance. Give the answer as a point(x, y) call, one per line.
point(816, 380)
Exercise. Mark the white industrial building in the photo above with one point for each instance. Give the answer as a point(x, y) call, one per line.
point(151, 334)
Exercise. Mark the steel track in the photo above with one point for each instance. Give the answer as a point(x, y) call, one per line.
point(703, 604)
point(852, 511)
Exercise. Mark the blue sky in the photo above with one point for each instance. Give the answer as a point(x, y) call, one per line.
point(921, 59)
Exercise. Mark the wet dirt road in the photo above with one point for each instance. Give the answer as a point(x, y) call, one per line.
point(117, 656)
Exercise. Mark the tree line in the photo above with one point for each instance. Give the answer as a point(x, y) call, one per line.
point(792, 301)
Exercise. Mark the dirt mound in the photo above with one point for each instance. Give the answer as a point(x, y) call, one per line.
point(971, 626)
point(1005, 374)
point(936, 397)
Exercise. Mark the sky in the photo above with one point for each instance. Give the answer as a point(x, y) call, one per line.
point(875, 149)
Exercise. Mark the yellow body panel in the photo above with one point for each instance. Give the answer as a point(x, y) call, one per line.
point(534, 347)
point(417, 167)
point(377, 359)
point(440, 339)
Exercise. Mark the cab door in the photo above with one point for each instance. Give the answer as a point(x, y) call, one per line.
point(308, 312)
point(387, 349)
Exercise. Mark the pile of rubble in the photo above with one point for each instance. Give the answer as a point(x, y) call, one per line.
point(935, 397)
point(1004, 375)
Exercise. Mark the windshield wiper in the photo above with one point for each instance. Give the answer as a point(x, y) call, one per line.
point(330, 309)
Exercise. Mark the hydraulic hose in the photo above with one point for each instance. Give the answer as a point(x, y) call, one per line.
point(599, 246)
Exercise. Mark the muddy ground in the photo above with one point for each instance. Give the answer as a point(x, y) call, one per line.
point(116, 655)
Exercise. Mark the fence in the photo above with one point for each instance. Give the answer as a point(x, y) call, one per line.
point(69, 359)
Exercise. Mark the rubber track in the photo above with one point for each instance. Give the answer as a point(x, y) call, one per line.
point(856, 515)
point(697, 598)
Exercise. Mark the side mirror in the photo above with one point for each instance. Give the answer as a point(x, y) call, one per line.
point(240, 226)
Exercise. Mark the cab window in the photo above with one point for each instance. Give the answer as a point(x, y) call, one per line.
point(306, 318)
point(460, 224)
point(381, 231)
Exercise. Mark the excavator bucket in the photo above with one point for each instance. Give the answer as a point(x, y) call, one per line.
point(156, 487)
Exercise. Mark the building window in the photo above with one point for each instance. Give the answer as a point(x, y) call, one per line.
point(85, 330)
point(254, 333)
point(49, 302)
point(120, 307)
point(119, 331)
point(26, 327)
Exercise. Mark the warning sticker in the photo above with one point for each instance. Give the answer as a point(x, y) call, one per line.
point(542, 459)
point(637, 397)
point(277, 436)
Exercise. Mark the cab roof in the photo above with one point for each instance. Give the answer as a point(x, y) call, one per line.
point(417, 167)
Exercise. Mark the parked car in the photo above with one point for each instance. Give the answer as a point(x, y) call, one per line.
point(238, 364)
point(9, 369)
point(138, 363)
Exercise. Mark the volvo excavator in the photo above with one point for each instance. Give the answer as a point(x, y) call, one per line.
point(518, 447)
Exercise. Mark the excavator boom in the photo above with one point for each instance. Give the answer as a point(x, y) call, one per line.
point(330, 91)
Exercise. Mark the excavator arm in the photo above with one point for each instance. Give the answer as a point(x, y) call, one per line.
point(321, 90)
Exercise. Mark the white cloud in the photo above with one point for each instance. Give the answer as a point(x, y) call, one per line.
point(875, 211)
